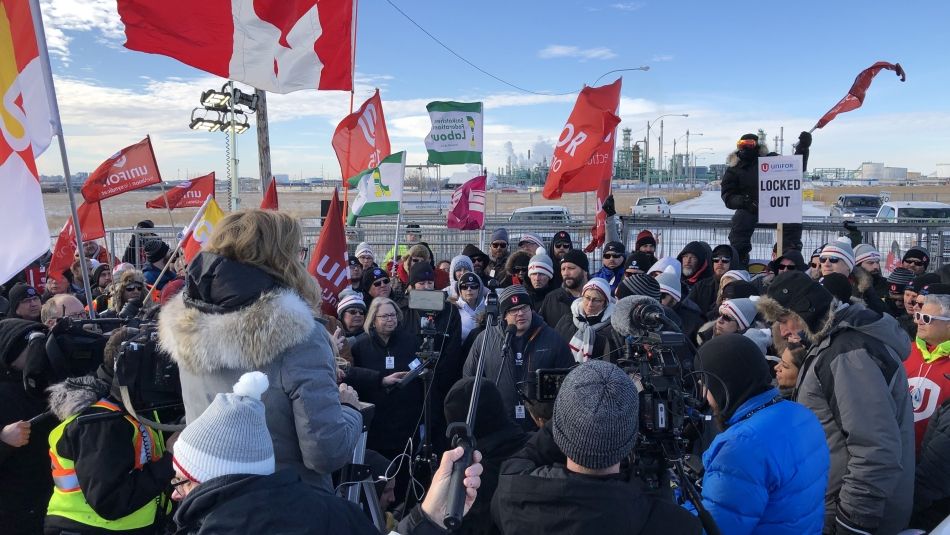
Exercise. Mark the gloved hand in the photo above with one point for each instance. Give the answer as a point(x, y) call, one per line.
point(804, 142)
point(609, 208)
point(750, 203)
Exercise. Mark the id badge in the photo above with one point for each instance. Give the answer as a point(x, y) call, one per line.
point(519, 412)
point(390, 363)
point(519, 359)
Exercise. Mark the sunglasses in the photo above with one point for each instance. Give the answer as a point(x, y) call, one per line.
point(499, 245)
point(415, 260)
point(134, 287)
point(355, 312)
point(722, 259)
point(562, 246)
point(611, 255)
point(914, 262)
point(783, 267)
point(813, 265)
point(469, 287)
point(827, 259)
point(747, 144)
point(380, 282)
point(920, 317)
point(727, 319)
point(519, 269)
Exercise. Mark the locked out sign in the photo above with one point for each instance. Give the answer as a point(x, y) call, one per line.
point(780, 189)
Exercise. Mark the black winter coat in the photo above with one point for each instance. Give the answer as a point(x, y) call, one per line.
point(397, 409)
point(740, 184)
point(537, 494)
point(932, 487)
point(26, 482)
point(555, 306)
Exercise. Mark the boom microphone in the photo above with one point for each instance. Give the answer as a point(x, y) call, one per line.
point(635, 314)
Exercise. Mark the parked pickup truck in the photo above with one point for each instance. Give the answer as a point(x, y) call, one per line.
point(651, 206)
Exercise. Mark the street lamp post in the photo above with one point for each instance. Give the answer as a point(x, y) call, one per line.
point(649, 124)
point(692, 181)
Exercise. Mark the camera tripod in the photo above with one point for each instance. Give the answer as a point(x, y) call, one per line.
point(361, 489)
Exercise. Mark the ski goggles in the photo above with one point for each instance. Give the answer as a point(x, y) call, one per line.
point(746, 144)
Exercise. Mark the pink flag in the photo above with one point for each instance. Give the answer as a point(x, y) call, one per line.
point(468, 205)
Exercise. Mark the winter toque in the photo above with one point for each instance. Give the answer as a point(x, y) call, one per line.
point(919, 282)
point(738, 274)
point(601, 286)
point(614, 247)
point(541, 263)
point(595, 415)
point(511, 297)
point(532, 238)
point(639, 284)
point(364, 249)
point(644, 237)
point(155, 250)
point(230, 436)
point(797, 292)
point(578, 258)
point(899, 279)
point(665, 262)
point(20, 292)
point(866, 252)
point(350, 299)
point(742, 310)
point(840, 248)
point(421, 272)
point(500, 235)
point(919, 253)
point(670, 283)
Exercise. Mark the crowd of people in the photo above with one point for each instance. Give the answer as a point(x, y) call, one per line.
point(823, 382)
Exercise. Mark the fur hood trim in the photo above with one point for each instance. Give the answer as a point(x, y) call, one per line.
point(863, 280)
point(733, 159)
point(771, 310)
point(75, 395)
point(249, 338)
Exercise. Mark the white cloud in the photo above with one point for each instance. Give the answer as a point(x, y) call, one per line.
point(628, 6)
point(61, 17)
point(567, 51)
point(661, 57)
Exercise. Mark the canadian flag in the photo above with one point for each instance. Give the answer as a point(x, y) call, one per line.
point(275, 45)
point(467, 211)
point(360, 140)
point(328, 263)
point(131, 168)
point(269, 202)
point(90, 221)
point(188, 194)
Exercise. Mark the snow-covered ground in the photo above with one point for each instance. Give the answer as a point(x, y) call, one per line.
point(710, 203)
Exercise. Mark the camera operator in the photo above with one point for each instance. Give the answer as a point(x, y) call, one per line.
point(109, 470)
point(767, 469)
point(25, 480)
point(568, 478)
point(446, 328)
point(531, 344)
point(127, 297)
point(61, 306)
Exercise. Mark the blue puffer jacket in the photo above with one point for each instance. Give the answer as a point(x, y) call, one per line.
point(766, 474)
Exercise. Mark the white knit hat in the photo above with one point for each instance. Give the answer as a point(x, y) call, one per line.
point(665, 262)
point(531, 237)
point(865, 252)
point(742, 310)
point(738, 274)
point(364, 248)
point(601, 286)
point(670, 283)
point(541, 263)
point(840, 248)
point(349, 298)
point(230, 436)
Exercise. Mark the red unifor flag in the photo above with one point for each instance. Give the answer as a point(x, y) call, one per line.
point(360, 140)
point(90, 221)
point(467, 211)
point(329, 261)
point(269, 202)
point(275, 45)
point(855, 97)
point(188, 194)
point(131, 168)
point(580, 162)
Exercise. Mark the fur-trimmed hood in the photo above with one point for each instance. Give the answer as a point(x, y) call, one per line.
point(733, 159)
point(862, 280)
point(772, 310)
point(248, 338)
point(74, 395)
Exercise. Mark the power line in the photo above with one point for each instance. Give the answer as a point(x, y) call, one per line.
point(486, 73)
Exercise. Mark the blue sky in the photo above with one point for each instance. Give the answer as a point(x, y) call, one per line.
point(732, 67)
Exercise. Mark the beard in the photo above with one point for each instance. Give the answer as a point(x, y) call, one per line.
point(687, 272)
point(571, 283)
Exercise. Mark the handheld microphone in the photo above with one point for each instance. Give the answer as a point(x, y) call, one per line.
point(635, 314)
point(509, 334)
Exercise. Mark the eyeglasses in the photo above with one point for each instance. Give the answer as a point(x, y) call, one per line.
point(610, 256)
point(722, 259)
point(499, 245)
point(468, 287)
point(386, 317)
point(179, 481)
point(914, 262)
point(381, 282)
point(827, 259)
point(813, 265)
point(593, 300)
point(520, 269)
point(747, 144)
point(134, 288)
point(927, 318)
point(562, 246)
point(519, 310)
point(783, 267)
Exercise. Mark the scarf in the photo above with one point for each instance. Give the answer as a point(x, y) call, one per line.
point(582, 343)
point(942, 350)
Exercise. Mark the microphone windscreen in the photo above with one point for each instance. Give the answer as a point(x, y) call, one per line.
point(620, 320)
point(512, 329)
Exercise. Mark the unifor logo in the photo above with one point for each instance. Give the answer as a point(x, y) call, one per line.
point(120, 163)
point(184, 185)
point(765, 167)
